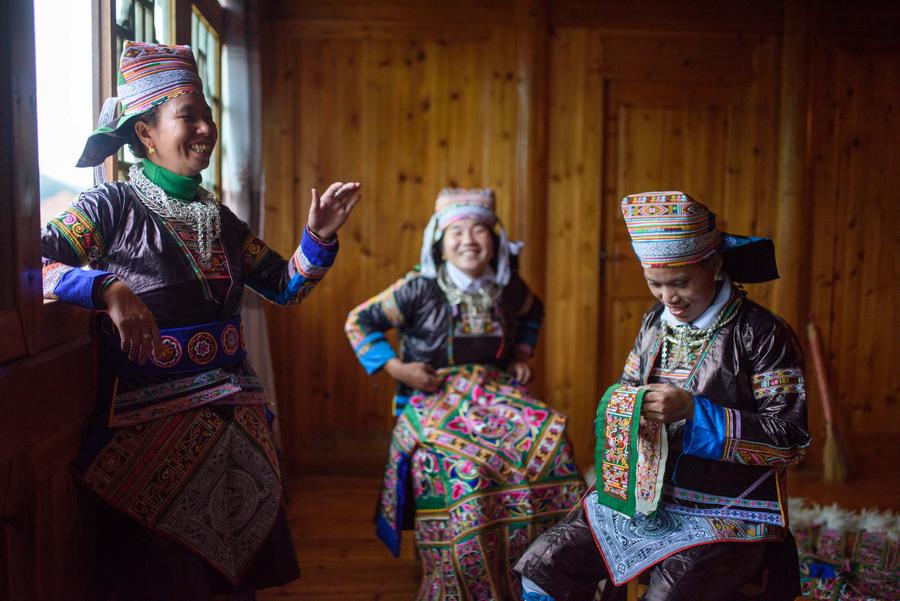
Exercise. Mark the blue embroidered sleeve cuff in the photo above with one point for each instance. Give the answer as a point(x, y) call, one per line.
point(319, 254)
point(374, 351)
point(704, 436)
point(77, 286)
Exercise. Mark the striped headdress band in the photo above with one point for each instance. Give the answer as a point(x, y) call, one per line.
point(149, 74)
point(670, 229)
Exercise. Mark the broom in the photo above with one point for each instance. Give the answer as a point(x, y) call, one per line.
point(834, 460)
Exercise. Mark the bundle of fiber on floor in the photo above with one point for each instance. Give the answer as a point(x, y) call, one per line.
point(846, 555)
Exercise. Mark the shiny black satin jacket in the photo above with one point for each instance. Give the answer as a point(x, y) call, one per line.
point(753, 370)
point(110, 230)
point(418, 308)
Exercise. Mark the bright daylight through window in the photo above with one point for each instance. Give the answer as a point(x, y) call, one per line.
point(64, 96)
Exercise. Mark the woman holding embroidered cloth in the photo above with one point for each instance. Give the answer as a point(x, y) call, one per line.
point(694, 440)
point(181, 447)
point(487, 465)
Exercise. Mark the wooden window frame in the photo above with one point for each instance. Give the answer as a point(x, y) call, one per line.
point(19, 183)
point(217, 107)
point(24, 314)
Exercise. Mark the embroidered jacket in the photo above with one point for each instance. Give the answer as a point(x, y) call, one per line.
point(110, 231)
point(749, 419)
point(432, 332)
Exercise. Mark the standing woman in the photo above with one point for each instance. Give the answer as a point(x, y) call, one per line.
point(488, 465)
point(181, 446)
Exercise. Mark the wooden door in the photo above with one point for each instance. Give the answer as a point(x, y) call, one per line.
point(854, 177)
point(708, 130)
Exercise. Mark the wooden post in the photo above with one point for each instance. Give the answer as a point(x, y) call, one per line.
point(533, 52)
point(105, 67)
point(790, 293)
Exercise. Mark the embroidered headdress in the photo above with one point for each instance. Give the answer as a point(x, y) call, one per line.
point(671, 229)
point(149, 74)
point(455, 204)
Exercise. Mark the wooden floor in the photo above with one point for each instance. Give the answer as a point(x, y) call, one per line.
point(340, 557)
point(342, 560)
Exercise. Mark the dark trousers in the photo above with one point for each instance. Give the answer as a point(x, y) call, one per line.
point(565, 562)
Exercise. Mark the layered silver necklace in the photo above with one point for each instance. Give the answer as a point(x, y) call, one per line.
point(477, 306)
point(682, 344)
point(202, 214)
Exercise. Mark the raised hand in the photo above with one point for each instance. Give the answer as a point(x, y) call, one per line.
point(666, 403)
point(133, 320)
point(327, 213)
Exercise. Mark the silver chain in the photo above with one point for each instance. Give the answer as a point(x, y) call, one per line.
point(477, 306)
point(202, 214)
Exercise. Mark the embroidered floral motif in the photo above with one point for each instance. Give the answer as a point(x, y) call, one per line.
point(202, 348)
point(231, 339)
point(491, 469)
point(81, 233)
point(630, 452)
point(170, 354)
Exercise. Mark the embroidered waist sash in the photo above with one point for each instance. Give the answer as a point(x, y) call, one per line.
point(186, 350)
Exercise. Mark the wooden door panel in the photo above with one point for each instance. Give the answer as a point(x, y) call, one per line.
point(855, 177)
point(406, 111)
point(710, 134)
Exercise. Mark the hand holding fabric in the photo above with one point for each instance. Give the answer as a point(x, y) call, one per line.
point(327, 213)
point(133, 320)
point(419, 376)
point(666, 403)
point(521, 370)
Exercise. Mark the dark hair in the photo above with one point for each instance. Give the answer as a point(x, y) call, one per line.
point(151, 117)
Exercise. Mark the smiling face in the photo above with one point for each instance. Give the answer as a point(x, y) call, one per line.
point(468, 244)
point(686, 291)
point(183, 136)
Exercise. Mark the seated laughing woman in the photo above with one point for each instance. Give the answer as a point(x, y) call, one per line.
point(476, 463)
point(180, 447)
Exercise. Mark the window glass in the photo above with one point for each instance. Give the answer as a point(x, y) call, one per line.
point(63, 61)
point(208, 52)
point(141, 21)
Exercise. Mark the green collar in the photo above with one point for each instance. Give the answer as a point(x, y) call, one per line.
point(176, 186)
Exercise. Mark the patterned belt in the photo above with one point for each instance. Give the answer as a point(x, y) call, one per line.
point(186, 350)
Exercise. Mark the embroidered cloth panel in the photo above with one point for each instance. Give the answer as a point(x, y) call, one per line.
point(630, 454)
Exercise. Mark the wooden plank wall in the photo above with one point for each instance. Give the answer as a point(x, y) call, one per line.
point(853, 271)
point(564, 107)
point(46, 527)
point(47, 365)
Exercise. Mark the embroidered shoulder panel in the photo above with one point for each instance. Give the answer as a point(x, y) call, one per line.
point(254, 251)
point(81, 233)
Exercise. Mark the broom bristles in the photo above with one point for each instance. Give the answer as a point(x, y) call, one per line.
point(834, 462)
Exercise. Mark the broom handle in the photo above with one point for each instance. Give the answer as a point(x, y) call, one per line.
point(815, 345)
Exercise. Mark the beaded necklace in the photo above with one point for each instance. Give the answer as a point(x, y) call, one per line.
point(478, 306)
point(202, 214)
point(682, 344)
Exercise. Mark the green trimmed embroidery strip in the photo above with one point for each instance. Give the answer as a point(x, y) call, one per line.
point(616, 452)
